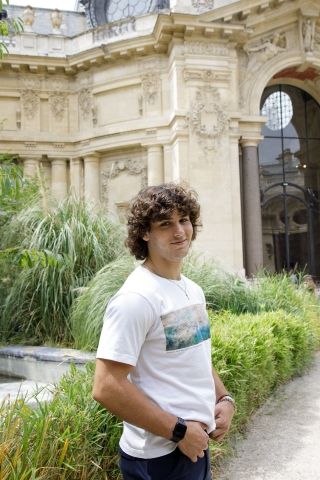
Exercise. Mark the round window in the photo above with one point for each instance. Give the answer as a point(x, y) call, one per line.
point(278, 109)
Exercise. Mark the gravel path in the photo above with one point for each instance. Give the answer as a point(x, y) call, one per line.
point(283, 440)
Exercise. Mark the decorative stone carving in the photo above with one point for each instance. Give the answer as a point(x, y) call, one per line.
point(18, 118)
point(30, 82)
point(150, 87)
point(208, 118)
point(203, 5)
point(204, 48)
point(94, 111)
point(56, 20)
point(308, 26)
point(207, 76)
point(115, 29)
point(256, 56)
point(85, 102)
point(28, 16)
point(58, 101)
point(57, 84)
point(132, 167)
point(140, 104)
point(265, 50)
point(30, 103)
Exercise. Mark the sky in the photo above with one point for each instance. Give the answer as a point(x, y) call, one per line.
point(60, 4)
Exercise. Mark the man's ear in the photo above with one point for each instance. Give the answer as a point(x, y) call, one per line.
point(146, 237)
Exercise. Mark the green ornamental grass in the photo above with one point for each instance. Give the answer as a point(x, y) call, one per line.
point(58, 252)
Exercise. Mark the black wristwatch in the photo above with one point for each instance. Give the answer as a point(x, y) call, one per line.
point(179, 430)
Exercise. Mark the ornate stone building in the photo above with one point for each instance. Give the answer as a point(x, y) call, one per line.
point(221, 94)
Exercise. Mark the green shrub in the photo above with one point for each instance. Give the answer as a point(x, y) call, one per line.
point(256, 353)
point(58, 252)
point(16, 191)
point(70, 438)
point(73, 438)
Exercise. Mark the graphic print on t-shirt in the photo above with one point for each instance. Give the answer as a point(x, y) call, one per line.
point(186, 327)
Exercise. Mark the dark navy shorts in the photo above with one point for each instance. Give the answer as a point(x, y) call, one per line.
point(174, 466)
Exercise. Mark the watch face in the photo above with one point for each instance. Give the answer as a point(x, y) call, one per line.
point(179, 430)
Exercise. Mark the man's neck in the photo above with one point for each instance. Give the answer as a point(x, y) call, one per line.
point(168, 270)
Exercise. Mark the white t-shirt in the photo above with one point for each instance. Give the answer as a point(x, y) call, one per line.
point(161, 328)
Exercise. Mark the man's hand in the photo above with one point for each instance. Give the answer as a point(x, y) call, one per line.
point(195, 441)
point(224, 412)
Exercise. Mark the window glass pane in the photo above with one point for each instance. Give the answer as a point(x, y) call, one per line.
point(293, 160)
point(278, 110)
point(118, 9)
point(297, 126)
point(270, 161)
point(313, 118)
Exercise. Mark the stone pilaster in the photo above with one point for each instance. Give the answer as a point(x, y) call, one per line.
point(252, 221)
point(92, 178)
point(59, 178)
point(155, 165)
point(31, 165)
point(76, 177)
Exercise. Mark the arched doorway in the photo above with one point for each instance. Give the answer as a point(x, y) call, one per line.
point(289, 166)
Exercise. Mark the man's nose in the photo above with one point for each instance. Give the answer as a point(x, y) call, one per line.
point(178, 231)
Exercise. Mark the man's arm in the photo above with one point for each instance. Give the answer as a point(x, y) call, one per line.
point(224, 411)
point(113, 390)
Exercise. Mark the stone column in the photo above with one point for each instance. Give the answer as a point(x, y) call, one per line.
point(76, 177)
point(59, 178)
point(252, 221)
point(92, 178)
point(31, 165)
point(155, 165)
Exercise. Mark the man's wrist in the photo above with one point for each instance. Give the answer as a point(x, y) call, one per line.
point(179, 430)
point(227, 398)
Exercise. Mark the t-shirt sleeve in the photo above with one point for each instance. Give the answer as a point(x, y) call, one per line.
point(127, 321)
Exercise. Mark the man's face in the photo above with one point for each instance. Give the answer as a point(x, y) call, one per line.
point(169, 239)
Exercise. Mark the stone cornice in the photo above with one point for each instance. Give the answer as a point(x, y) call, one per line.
point(242, 9)
point(164, 31)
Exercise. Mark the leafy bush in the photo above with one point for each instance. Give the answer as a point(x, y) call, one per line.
point(255, 353)
point(73, 438)
point(58, 252)
point(16, 191)
point(223, 292)
point(70, 438)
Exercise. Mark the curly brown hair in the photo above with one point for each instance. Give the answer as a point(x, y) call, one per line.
point(155, 203)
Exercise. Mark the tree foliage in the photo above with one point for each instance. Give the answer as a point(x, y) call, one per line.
point(7, 26)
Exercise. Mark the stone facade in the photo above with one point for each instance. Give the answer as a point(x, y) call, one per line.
point(165, 96)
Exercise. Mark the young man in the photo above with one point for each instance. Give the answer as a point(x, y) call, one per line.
point(153, 365)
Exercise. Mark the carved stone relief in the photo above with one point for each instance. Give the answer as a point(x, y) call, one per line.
point(208, 118)
point(257, 55)
point(30, 103)
point(30, 82)
point(207, 76)
point(307, 33)
point(115, 29)
point(150, 87)
point(203, 5)
point(132, 167)
point(85, 102)
point(58, 102)
point(204, 48)
point(266, 49)
point(57, 84)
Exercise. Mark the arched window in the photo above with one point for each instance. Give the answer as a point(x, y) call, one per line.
point(289, 162)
